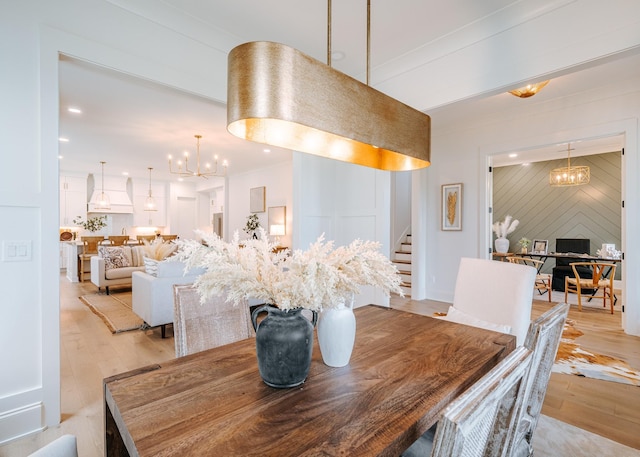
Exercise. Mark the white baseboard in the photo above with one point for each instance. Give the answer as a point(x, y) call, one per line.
point(21, 422)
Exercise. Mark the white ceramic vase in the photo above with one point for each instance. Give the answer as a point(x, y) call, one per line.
point(502, 245)
point(337, 334)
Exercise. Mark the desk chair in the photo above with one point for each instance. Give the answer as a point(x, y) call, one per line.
point(562, 268)
point(197, 327)
point(543, 280)
point(89, 249)
point(481, 421)
point(602, 275)
point(493, 295)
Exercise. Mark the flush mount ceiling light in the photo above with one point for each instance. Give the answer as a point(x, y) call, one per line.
point(103, 201)
point(529, 90)
point(279, 96)
point(569, 176)
point(207, 171)
point(150, 203)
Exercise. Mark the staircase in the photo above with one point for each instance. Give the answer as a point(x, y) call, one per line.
point(402, 261)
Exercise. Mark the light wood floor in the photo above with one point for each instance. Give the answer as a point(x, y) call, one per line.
point(89, 353)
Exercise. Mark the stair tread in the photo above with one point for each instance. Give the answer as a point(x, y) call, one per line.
point(406, 262)
point(405, 272)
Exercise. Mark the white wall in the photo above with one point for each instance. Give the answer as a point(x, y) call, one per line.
point(461, 153)
point(400, 207)
point(345, 202)
point(278, 181)
point(37, 31)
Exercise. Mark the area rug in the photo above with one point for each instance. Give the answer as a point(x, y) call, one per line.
point(572, 359)
point(114, 310)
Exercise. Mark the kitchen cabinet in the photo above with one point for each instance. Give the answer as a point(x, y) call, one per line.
point(73, 199)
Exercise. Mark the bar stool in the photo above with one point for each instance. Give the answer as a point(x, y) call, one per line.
point(89, 249)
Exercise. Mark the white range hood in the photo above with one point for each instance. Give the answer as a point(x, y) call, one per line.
point(117, 190)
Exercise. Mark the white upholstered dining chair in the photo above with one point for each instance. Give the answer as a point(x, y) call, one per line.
point(493, 295)
point(543, 339)
point(197, 327)
point(481, 421)
point(63, 446)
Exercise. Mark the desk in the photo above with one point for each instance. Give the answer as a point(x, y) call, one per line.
point(504, 256)
point(569, 256)
point(405, 368)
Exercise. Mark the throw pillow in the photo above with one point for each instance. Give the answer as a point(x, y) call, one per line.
point(151, 266)
point(455, 315)
point(137, 256)
point(114, 257)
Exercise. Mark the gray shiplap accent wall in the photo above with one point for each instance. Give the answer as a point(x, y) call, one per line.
point(589, 211)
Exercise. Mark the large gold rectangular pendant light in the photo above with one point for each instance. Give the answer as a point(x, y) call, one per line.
point(279, 96)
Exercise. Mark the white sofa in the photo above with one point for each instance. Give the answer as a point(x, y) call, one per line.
point(102, 276)
point(153, 294)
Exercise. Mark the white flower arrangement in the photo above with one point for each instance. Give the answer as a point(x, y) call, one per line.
point(320, 277)
point(502, 229)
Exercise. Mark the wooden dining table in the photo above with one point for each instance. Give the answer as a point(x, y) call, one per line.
point(404, 370)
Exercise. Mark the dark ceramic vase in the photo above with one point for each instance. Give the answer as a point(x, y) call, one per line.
point(284, 345)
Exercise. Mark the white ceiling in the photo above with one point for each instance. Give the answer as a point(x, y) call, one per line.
point(133, 124)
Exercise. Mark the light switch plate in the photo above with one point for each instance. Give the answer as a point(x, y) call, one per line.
point(16, 251)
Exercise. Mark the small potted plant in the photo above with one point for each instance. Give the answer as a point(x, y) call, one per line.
point(252, 225)
point(524, 244)
point(93, 224)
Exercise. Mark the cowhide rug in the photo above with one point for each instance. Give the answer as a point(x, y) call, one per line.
point(572, 359)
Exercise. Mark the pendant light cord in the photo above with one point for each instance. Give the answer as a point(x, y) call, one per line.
point(368, 39)
point(368, 36)
point(329, 32)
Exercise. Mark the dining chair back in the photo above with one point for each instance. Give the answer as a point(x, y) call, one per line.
point(543, 339)
point(602, 275)
point(494, 295)
point(169, 237)
point(543, 280)
point(149, 238)
point(199, 326)
point(481, 421)
point(118, 240)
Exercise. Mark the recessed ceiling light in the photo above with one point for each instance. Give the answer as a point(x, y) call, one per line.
point(63, 140)
point(125, 173)
point(60, 157)
point(267, 150)
point(74, 110)
point(513, 155)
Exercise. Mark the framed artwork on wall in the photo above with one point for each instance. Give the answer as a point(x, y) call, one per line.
point(451, 207)
point(540, 247)
point(257, 199)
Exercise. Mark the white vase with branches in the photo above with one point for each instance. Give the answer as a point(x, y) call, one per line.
point(502, 229)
